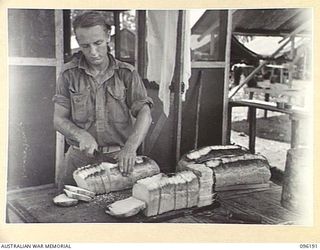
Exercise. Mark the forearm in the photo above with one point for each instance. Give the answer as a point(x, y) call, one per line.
point(68, 128)
point(140, 129)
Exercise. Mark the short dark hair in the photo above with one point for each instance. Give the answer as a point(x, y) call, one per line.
point(89, 19)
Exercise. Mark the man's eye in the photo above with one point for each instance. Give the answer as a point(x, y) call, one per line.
point(98, 42)
point(84, 46)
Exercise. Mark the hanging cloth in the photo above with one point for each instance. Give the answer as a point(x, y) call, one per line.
point(162, 40)
point(186, 74)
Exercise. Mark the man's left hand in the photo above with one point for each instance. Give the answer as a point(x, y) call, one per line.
point(126, 160)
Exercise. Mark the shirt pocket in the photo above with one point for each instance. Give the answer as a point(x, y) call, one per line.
point(117, 108)
point(80, 105)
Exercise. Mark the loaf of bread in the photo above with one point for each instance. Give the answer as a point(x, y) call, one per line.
point(148, 190)
point(106, 177)
point(230, 165)
point(163, 194)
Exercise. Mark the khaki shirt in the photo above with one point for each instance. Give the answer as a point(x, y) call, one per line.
point(103, 109)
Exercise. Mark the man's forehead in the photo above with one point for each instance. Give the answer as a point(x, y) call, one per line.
point(92, 30)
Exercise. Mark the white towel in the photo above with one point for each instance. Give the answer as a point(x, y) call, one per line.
point(162, 40)
point(187, 55)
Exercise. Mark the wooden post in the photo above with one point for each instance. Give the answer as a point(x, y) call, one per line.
point(117, 39)
point(251, 94)
point(291, 66)
point(229, 125)
point(294, 132)
point(178, 81)
point(252, 129)
point(225, 118)
point(140, 51)
point(266, 98)
point(60, 144)
point(141, 43)
point(67, 33)
point(198, 109)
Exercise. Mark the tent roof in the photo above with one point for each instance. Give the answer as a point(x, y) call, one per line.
point(258, 21)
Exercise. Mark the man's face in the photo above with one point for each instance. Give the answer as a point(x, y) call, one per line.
point(93, 42)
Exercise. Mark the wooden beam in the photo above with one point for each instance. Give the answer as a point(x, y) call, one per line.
point(291, 64)
point(199, 97)
point(208, 64)
point(225, 117)
point(59, 64)
point(67, 33)
point(140, 53)
point(117, 40)
point(32, 61)
point(141, 43)
point(252, 129)
point(178, 83)
point(260, 32)
point(229, 125)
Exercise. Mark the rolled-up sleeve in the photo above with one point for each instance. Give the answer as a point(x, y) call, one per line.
point(62, 96)
point(137, 95)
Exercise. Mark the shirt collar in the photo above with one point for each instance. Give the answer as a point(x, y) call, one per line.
point(113, 64)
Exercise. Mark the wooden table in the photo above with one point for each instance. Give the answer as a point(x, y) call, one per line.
point(296, 116)
point(274, 92)
point(34, 205)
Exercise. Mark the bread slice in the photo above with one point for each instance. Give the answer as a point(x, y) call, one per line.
point(105, 177)
point(64, 201)
point(181, 190)
point(126, 208)
point(192, 183)
point(77, 196)
point(80, 190)
point(167, 195)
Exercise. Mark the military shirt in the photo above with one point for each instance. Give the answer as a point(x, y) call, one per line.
point(105, 109)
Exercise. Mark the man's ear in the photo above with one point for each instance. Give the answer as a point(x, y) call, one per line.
point(108, 36)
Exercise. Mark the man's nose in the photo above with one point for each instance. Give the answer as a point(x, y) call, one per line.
point(93, 50)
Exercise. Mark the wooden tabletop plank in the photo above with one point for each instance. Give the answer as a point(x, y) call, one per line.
point(36, 206)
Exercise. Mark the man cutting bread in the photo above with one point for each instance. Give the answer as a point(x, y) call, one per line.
point(96, 98)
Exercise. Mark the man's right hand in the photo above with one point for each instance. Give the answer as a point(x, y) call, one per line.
point(87, 143)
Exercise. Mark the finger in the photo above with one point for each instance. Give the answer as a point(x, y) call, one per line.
point(125, 166)
point(115, 155)
point(120, 164)
point(131, 164)
point(91, 151)
point(82, 147)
